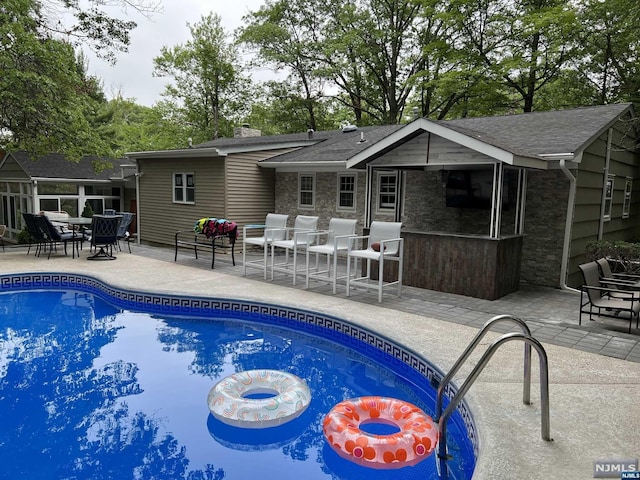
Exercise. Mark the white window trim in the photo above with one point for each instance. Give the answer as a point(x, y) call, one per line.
point(606, 215)
point(313, 191)
point(184, 188)
point(628, 190)
point(385, 210)
point(339, 207)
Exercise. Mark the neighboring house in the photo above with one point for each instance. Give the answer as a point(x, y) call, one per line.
point(486, 203)
point(55, 184)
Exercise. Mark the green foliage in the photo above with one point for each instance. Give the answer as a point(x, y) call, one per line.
point(23, 236)
point(210, 91)
point(44, 104)
point(624, 256)
point(87, 212)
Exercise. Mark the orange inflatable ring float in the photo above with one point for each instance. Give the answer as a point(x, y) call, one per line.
point(415, 441)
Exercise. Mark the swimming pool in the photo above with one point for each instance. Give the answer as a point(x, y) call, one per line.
point(136, 351)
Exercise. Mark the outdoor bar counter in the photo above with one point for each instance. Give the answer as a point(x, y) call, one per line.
point(471, 265)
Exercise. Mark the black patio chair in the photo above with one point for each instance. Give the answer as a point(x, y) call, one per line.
point(36, 236)
point(104, 235)
point(53, 236)
point(123, 229)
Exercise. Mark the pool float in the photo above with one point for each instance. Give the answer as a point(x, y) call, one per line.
point(415, 441)
point(228, 403)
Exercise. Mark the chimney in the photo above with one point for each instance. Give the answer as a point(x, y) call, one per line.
point(310, 133)
point(245, 130)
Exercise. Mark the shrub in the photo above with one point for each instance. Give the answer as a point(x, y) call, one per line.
point(88, 211)
point(624, 257)
point(23, 236)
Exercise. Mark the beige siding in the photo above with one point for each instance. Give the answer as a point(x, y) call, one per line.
point(233, 187)
point(160, 218)
point(250, 189)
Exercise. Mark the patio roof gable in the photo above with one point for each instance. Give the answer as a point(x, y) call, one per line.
point(421, 126)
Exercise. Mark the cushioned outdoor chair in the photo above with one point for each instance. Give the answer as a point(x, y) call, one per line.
point(295, 239)
point(330, 243)
point(36, 237)
point(384, 244)
point(605, 301)
point(621, 281)
point(123, 229)
point(53, 236)
point(273, 221)
point(104, 235)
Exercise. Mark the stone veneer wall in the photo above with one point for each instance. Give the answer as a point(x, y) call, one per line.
point(425, 209)
point(544, 225)
point(325, 201)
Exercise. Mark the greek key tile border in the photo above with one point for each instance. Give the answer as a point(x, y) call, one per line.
point(372, 343)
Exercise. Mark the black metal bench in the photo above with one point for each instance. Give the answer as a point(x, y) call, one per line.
point(200, 241)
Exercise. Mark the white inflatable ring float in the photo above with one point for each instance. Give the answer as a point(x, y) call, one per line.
point(228, 403)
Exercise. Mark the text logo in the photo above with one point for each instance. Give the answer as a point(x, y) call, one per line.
point(614, 468)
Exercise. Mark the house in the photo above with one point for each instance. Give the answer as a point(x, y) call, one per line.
point(486, 203)
point(54, 183)
point(224, 178)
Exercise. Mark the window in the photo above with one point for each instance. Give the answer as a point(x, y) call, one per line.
point(49, 204)
point(306, 189)
point(184, 189)
point(386, 191)
point(346, 192)
point(626, 206)
point(608, 198)
point(57, 188)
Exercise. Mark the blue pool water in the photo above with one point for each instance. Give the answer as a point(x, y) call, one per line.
point(89, 390)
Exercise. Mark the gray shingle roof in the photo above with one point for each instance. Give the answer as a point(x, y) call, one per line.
point(539, 133)
point(526, 134)
point(337, 146)
point(57, 166)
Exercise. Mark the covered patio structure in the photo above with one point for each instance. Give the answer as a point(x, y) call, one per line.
point(460, 189)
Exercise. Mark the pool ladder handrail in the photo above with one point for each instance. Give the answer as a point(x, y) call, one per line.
point(526, 394)
point(457, 398)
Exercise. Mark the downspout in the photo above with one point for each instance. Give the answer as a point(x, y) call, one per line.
point(568, 226)
point(367, 195)
point(138, 174)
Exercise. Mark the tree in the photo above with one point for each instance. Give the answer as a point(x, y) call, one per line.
point(88, 23)
point(210, 90)
point(610, 48)
point(523, 44)
point(126, 127)
point(46, 97)
point(282, 34)
point(279, 107)
point(44, 100)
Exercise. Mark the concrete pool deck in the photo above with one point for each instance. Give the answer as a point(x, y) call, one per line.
point(595, 411)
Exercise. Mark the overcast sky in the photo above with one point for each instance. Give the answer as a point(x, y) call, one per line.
point(132, 74)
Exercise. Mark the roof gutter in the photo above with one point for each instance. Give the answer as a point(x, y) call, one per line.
point(328, 163)
point(69, 180)
point(173, 154)
point(568, 224)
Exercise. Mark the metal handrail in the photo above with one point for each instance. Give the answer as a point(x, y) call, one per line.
point(457, 398)
point(526, 393)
